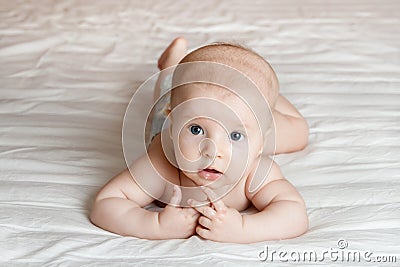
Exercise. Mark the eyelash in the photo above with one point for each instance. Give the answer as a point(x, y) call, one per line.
point(191, 127)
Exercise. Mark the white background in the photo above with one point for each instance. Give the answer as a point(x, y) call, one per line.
point(69, 68)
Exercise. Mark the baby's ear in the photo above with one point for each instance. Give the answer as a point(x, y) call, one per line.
point(268, 147)
point(260, 152)
point(170, 131)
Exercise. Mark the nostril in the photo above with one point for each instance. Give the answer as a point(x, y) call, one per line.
point(207, 148)
point(205, 154)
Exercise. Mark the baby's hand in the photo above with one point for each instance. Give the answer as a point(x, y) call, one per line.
point(218, 222)
point(177, 222)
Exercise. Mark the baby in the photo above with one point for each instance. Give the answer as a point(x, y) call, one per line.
point(218, 166)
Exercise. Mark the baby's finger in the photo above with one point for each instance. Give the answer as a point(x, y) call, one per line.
point(203, 232)
point(194, 203)
point(205, 210)
point(205, 222)
point(191, 212)
point(176, 196)
point(218, 204)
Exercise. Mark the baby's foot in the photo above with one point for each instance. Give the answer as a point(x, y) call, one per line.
point(173, 54)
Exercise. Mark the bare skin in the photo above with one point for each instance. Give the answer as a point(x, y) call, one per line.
point(281, 210)
point(170, 57)
point(291, 127)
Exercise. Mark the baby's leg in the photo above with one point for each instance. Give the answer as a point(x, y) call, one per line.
point(170, 57)
point(291, 127)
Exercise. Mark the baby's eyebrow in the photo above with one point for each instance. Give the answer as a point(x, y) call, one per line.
point(242, 126)
point(231, 127)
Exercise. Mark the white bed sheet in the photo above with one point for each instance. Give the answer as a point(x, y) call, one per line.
point(69, 68)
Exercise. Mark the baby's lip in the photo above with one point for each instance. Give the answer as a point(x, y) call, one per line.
point(210, 174)
point(214, 170)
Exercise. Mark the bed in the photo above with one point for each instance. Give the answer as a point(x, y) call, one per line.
point(69, 68)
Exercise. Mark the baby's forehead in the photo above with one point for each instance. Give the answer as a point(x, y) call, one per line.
point(209, 91)
point(213, 101)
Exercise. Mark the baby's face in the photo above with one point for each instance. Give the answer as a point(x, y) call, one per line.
point(216, 136)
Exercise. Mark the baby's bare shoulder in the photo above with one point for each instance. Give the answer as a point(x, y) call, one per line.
point(266, 172)
point(144, 180)
point(273, 188)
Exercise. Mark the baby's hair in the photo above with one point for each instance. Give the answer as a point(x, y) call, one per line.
point(243, 59)
point(240, 46)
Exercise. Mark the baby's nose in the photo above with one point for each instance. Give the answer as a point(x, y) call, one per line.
point(211, 149)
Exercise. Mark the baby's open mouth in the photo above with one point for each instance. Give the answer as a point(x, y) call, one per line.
point(210, 174)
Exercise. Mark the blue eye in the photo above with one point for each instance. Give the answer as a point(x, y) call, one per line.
point(196, 130)
point(236, 136)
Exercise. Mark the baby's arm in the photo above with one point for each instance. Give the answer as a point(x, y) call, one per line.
point(118, 208)
point(119, 205)
point(282, 212)
point(291, 127)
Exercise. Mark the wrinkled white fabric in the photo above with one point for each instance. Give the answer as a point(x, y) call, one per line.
point(69, 68)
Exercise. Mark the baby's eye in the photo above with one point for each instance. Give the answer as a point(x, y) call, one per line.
point(236, 136)
point(196, 130)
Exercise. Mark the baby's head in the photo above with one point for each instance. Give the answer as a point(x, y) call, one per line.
point(244, 60)
point(213, 126)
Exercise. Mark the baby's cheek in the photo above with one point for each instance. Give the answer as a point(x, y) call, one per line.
point(243, 155)
point(188, 149)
